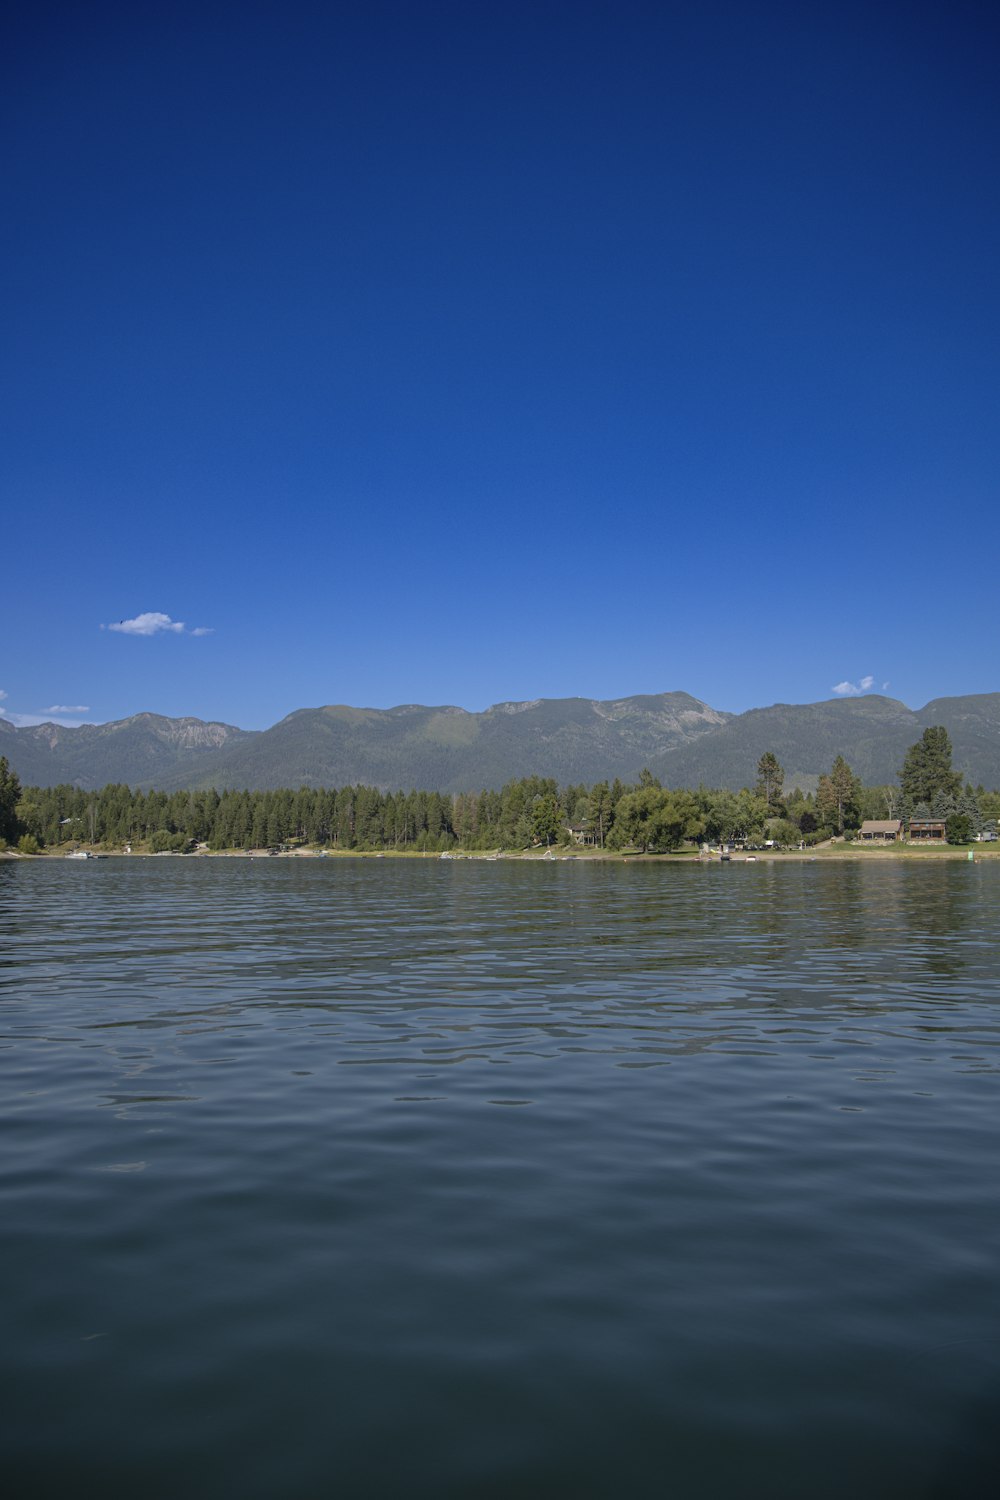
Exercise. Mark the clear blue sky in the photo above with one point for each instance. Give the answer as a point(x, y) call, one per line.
point(452, 353)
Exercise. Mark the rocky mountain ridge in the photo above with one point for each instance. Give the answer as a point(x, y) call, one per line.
point(683, 740)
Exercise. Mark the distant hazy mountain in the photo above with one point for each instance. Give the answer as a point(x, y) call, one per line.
point(973, 723)
point(447, 749)
point(680, 738)
point(144, 750)
point(872, 733)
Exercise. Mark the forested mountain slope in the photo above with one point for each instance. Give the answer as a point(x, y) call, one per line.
point(680, 738)
point(143, 750)
point(973, 722)
point(444, 748)
point(448, 749)
point(872, 733)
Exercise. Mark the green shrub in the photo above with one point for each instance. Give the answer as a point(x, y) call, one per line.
point(162, 842)
point(28, 844)
point(959, 828)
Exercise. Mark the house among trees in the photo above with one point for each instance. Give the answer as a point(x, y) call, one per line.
point(928, 829)
point(881, 830)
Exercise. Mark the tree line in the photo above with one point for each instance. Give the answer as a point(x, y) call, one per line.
point(533, 810)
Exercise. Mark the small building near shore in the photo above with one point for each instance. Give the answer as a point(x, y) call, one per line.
point(881, 831)
point(928, 830)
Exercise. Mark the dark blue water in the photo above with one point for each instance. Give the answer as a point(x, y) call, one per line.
point(369, 1178)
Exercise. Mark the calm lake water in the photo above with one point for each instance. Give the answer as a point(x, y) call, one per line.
point(364, 1178)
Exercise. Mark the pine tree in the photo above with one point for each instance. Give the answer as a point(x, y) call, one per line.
point(927, 768)
point(10, 793)
point(600, 811)
point(770, 778)
point(837, 796)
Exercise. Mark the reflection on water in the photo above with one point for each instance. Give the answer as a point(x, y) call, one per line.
point(462, 1178)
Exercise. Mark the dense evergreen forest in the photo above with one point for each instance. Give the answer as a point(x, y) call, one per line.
point(525, 813)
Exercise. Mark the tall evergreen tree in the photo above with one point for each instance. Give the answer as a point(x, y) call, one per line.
point(10, 792)
point(770, 778)
point(601, 811)
point(927, 771)
point(838, 795)
point(545, 820)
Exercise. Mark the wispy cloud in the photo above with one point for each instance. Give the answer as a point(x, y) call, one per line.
point(55, 714)
point(29, 721)
point(154, 622)
point(855, 689)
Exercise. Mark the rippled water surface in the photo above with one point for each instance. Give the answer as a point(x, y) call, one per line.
point(366, 1178)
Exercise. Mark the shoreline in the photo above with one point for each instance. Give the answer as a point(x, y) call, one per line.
point(838, 852)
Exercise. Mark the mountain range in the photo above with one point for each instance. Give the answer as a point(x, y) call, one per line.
point(682, 740)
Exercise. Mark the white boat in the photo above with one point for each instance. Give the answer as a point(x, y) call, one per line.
point(79, 854)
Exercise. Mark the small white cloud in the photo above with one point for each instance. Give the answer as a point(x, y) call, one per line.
point(885, 687)
point(854, 689)
point(2, 694)
point(150, 623)
point(65, 708)
point(153, 622)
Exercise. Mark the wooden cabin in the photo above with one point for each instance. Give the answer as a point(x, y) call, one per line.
point(928, 830)
point(881, 830)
